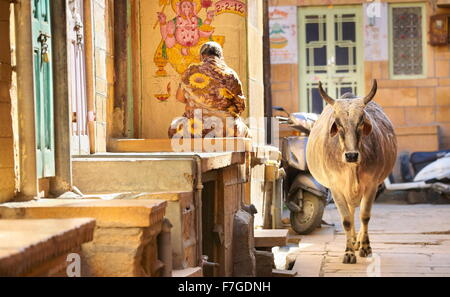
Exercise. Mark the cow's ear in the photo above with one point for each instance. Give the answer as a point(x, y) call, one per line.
point(333, 130)
point(367, 128)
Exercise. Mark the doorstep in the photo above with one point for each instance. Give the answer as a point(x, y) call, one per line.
point(109, 173)
point(268, 238)
point(40, 247)
point(111, 213)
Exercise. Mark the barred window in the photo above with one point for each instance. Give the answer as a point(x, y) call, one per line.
point(407, 41)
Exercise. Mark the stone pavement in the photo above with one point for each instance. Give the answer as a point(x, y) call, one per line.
point(407, 240)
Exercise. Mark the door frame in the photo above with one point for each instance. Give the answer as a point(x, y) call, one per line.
point(80, 141)
point(44, 97)
point(358, 10)
point(28, 182)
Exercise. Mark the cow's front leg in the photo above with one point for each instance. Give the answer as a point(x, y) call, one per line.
point(347, 222)
point(365, 250)
point(353, 232)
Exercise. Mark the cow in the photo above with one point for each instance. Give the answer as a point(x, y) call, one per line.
point(352, 148)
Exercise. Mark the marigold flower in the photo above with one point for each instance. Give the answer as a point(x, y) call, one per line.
point(225, 93)
point(199, 80)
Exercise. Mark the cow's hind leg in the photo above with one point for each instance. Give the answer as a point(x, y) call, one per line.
point(365, 250)
point(347, 222)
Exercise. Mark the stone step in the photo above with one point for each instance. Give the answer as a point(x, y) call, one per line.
point(145, 172)
point(271, 237)
point(125, 239)
point(108, 213)
point(188, 272)
point(123, 174)
point(283, 273)
point(28, 246)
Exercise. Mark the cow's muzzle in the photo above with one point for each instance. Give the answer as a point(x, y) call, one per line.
point(351, 157)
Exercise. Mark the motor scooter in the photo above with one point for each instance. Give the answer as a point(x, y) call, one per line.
point(432, 175)
point(302, 194)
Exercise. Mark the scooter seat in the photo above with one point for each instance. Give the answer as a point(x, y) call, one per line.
point(303, 121)
point(419, 160)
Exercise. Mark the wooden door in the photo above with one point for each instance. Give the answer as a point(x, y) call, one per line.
point(43, 88)
point(77, 77)
point(330, 51)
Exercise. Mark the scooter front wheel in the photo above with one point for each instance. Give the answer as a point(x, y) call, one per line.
point(305, 221)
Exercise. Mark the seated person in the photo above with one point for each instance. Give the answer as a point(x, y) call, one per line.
point(213, 96)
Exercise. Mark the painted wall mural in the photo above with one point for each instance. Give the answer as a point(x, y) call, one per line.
point(171, 35)
point(231, 6)
point(184, 34)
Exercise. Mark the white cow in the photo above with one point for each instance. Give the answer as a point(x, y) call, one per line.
point(351, 149)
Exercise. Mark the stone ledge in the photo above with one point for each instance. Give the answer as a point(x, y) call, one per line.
point(172, 196)
point(108, 213)
point(197, 145)
point(270, 237)
point(101, 175)
point(27, 244)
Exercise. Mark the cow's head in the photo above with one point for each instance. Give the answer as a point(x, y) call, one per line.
point(351, 122)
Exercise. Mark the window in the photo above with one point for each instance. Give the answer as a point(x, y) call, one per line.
point(407, 41)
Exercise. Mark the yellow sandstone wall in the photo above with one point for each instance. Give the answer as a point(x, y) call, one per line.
point(255, 31)
point(255, 188)
point(157, 115)
point(103, 73)
point(417, 102)
point(419, 108)
point(7, 176)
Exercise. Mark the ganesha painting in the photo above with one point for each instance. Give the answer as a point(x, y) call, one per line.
point(183, 35)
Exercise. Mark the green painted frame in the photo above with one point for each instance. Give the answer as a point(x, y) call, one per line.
point(302, 11)
point(43, 90)
point(424, 41)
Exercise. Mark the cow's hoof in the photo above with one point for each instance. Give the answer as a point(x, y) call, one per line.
point(365, 252)
point(349, 258)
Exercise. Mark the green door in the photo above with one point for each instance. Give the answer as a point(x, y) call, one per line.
point(43, 88)
point(330, 42)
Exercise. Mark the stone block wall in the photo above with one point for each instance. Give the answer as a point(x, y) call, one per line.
point(7, 175)
point(103, 68)
point(127, 252)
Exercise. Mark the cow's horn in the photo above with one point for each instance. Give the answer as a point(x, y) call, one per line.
point(372, 93)
point(324, 95)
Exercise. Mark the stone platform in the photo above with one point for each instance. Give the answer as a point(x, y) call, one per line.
point(40, 247)
point(125, 239)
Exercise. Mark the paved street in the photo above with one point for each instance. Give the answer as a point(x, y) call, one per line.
point(407, 240)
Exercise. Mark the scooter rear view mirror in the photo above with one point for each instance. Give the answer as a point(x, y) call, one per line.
point(279, 108)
